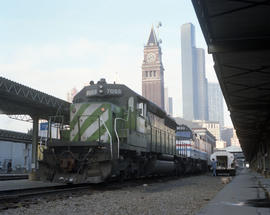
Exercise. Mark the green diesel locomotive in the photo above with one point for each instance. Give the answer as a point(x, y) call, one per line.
point(113, 133)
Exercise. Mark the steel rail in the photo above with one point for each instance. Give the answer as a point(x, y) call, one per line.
point(8, 195)
point(6, 177)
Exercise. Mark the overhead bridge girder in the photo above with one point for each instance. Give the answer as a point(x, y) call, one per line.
point(16, 99)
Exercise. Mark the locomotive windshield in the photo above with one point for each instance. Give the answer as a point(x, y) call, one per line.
point(183, 133)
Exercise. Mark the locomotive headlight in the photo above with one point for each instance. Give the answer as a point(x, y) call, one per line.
point(100, 86)
point(100, 91)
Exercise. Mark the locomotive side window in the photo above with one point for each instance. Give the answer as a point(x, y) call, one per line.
point(141, 117)
point(142, 109)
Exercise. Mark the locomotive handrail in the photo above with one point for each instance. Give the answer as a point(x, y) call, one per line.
point(109, 136)
point(116, 133)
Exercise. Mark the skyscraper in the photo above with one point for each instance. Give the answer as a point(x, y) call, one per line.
point(170, 106)
point(201, 85)
point(215, 103)
point(188, 68)
point(194, 82)
point(166, 99)
point(226, 135)
point(152, 71)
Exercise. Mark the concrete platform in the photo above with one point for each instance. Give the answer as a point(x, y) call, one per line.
point(246, 194)
point(23, 184)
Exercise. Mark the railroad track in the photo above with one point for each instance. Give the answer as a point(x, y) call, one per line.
point(19, 193)
point(24, 197)
point(11, 198)
point(5, 177)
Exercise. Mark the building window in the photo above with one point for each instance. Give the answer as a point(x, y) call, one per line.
point(150, 73)
point(146, 74)
point(154, 73)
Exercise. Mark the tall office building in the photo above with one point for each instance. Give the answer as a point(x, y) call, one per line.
point(212, 127)
point(194, 82)
point(215, 103)
point(234, 139)
point(170, 106)
point(202, 95)
point(188, 68)
point(226, 135)
point(152, 71)
point(166, 99)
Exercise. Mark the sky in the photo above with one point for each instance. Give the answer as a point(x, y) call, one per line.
point(54, 46)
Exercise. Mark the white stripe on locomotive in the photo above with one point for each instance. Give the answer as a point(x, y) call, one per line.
point(95, 126)
point(88, 111)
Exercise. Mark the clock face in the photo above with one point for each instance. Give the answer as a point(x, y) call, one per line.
point(151, 57)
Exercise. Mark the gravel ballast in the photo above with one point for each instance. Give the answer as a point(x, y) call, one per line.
point(177, 196)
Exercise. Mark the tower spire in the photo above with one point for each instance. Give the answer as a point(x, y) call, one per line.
point(152, 71)
point(152, 38)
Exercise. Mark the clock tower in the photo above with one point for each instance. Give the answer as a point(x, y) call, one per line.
point(152, 71)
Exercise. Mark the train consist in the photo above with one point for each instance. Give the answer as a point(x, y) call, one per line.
point(116, 133)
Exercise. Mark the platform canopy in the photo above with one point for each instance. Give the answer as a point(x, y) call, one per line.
point(17, 99)
point(12, 136)
point(237, 33)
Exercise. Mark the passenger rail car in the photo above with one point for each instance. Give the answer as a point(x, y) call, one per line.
point(113, 133)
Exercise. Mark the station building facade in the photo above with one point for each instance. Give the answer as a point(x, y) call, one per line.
point(18, 154)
